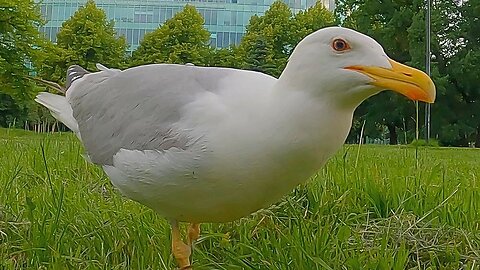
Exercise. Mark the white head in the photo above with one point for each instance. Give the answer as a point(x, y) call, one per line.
point(348, 67)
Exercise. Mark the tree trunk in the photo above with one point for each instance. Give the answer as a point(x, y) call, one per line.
point(392, 132)
point(477, 138)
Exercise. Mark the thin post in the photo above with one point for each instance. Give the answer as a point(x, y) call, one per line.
point(428, 69)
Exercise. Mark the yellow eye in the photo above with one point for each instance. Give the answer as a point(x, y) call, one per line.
point(340, 45)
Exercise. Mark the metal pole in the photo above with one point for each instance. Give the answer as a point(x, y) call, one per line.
point(427, 67)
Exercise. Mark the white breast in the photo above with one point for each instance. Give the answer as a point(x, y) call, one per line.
point(243, 160)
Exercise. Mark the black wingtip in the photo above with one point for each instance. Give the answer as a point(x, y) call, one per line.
point(74, 73)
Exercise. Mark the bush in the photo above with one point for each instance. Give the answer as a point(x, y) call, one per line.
point(422, 142)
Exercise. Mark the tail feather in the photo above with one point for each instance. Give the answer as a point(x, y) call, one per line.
point(59, 108)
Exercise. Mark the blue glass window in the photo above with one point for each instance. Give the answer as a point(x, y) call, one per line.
point(225, 19)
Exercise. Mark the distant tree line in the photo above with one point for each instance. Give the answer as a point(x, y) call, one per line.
point(88, 37)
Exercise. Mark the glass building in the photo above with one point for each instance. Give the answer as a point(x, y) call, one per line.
point(225, 19)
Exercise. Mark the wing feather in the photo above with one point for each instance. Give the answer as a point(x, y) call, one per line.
point(137, 109)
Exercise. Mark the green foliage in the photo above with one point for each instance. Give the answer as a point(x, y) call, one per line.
point(311, 20)
point(464, 75)
point(421, 142)
point(19, 38)
point(386, 22)
point(182, 39)
point(388, 211)
point(85, 39)
point(260, 56)
point(455, 116)
point(444, 43)
point(268, 40)
point(55, 62)
point(9, 110)
point(224, 57)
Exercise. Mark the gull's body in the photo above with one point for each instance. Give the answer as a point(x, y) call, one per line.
point(201, 144)
point(216, 151)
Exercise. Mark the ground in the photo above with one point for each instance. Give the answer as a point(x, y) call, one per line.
point(373, 207)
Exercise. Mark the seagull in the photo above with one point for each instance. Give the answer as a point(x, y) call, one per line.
point(208, 144)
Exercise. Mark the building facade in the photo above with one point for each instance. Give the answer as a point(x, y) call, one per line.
point(224, 19)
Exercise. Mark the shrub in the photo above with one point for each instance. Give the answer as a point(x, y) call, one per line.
point(422, 142)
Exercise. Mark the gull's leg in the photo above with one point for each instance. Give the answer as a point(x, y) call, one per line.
point(193, 233)
point(180, 250)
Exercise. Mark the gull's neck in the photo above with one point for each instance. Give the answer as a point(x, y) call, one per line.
point(319, 124)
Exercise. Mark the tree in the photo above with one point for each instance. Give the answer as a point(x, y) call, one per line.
point(19, 37)
point(385, 21)
point(455, 58)
point(224, 57)
point(182, 39)
point(260, 56)
point(85, 39)
point(311, 20)
point(444, 45)
point(268, 40)
point(464, 73)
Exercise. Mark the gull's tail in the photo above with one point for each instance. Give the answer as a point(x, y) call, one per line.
point(58, 105)
point(59, 108)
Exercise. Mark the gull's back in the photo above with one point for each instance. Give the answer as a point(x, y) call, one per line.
point(137, 109)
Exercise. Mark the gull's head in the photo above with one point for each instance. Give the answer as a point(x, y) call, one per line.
point(350, 67)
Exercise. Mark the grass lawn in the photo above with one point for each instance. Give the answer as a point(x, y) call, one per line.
point(379, 207)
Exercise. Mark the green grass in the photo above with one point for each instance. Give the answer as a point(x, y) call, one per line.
point(390, 211)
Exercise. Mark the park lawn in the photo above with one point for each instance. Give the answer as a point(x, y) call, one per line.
point(374, 207)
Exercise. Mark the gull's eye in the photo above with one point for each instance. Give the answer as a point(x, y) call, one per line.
point(340, 45)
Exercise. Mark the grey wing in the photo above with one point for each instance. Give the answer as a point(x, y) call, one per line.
point(135, 109)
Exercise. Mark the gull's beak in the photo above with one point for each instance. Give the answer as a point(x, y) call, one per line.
point(410, 82)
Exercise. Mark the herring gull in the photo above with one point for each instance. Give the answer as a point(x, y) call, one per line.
point(208, 144)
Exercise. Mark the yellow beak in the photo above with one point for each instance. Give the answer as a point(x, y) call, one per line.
point(410, 82)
